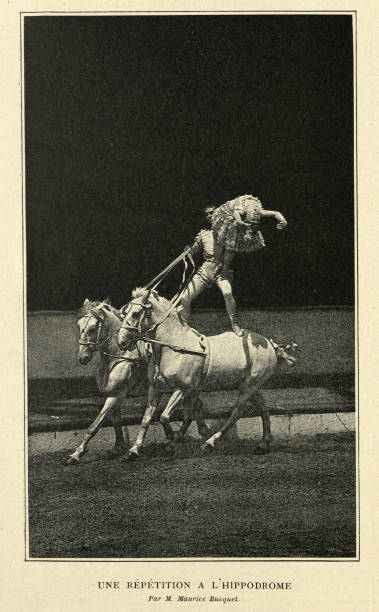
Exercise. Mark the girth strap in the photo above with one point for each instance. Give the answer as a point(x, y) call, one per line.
point(204, 341)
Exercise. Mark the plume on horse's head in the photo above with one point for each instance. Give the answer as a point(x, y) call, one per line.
point(144, 293)
point(140, 292)
point(96, 307)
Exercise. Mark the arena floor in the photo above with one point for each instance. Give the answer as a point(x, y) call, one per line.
point(297, 502)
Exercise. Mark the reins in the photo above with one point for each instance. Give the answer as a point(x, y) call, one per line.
point(173, 305)
point(177, 297)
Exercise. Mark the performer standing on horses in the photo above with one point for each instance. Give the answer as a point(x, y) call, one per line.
point(235, 227)
point(209, 274)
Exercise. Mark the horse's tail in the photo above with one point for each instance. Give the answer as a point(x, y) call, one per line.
point(285, 353)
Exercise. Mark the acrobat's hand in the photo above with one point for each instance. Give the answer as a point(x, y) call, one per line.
point(241, 223)
point(281, 225)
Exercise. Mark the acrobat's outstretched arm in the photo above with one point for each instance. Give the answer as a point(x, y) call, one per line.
point(282, 223)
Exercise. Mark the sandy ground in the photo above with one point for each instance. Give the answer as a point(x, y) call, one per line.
point(283, 428)
point(297, 501)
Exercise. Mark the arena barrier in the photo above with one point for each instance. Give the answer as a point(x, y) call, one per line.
point(325, 337)
point(68, 415)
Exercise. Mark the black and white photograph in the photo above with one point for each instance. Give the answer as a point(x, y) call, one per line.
point(190, 268)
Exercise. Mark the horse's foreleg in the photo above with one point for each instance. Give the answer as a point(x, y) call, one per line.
point(119, 446)
point(153, 398)
point(109, 404)
point(174, 400)
point(198, 409)
point(172, 403)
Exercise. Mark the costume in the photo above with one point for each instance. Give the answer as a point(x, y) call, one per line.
point(204, 243)
point(235, 237)
point(206, 275)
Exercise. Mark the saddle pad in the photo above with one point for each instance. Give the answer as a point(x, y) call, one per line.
point(229, 360)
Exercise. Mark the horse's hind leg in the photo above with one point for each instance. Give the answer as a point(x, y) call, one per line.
point(245, 393)
point(260, 402)
point(192, 409)
point(190, 404)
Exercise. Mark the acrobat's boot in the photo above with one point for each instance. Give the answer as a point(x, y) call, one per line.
point(235, 324)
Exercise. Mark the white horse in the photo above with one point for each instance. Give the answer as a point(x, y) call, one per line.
point(118, 374)
point(188, 360)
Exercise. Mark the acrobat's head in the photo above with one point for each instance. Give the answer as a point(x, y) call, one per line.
point(208, 212)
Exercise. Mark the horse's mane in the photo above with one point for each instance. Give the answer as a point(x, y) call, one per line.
point(95, 305)
point(143, 292)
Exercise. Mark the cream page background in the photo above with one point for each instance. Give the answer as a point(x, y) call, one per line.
point(345, 586)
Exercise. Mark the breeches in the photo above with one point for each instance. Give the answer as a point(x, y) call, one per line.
point(199, 283)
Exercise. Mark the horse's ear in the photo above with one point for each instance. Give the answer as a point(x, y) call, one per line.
point(122, 310)
point(106, 305)
point(86, 302)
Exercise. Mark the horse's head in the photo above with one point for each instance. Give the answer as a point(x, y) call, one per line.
point(136, 320)
point(90, 322)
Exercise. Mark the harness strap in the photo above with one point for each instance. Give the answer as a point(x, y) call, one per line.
point(121, 358)
point(144, 351)
point(174, 347)
point(145, 348)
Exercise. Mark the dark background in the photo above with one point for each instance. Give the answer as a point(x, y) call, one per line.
point(134, 124)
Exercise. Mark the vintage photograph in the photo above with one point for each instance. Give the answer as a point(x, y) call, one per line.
point(190, 215)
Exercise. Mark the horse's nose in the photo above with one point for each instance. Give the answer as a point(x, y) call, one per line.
point(122, 345)
point(82, 360)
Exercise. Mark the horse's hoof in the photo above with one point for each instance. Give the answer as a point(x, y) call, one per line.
point(169, 449)
point(72, 461)
point(131, 457)
point(178, 438)
point(116, 451)
point(261, 450)
point(207, 448)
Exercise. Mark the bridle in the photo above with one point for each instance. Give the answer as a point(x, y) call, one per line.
point(144, 335)
point(128, 326)
point(95, 345)
point(95, 315)
point(145, 305)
